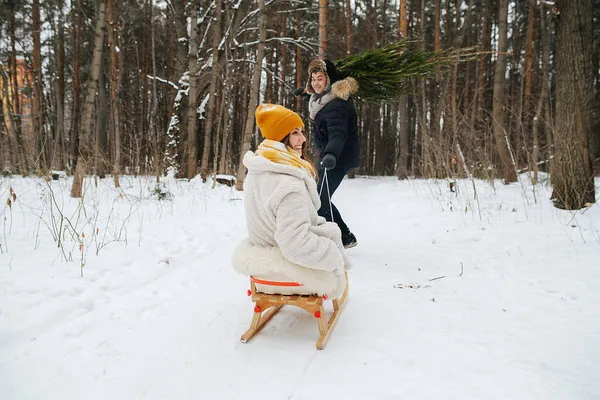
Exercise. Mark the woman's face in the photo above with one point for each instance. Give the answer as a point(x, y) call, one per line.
point(297, 139)
point(318, 81)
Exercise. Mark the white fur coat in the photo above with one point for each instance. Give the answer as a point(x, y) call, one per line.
point(287, 240)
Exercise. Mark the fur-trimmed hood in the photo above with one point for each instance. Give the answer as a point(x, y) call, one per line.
point(345, 88)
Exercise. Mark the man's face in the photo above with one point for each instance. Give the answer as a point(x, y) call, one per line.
point(318, 82)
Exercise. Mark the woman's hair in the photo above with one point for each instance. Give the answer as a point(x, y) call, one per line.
point(304, 155)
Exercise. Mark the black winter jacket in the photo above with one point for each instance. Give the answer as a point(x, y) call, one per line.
point(336, 132)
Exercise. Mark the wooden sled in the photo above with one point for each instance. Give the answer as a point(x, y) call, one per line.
point(267, 305)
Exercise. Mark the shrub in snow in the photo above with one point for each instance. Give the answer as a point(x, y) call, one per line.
point(162, 193)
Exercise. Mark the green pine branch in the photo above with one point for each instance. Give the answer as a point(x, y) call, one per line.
point(387, 72)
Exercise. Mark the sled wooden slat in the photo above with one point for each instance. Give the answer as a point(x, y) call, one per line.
point(337, 307)
point(267, 305)
point(258, 322)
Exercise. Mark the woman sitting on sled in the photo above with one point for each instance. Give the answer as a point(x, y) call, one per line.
point(287, 241)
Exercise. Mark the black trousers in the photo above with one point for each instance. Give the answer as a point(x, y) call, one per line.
point(334, 178)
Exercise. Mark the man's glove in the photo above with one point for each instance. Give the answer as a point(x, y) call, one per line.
point(298, 92)
point(328, 161)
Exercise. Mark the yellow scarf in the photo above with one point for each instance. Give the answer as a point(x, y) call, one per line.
point(282, 154)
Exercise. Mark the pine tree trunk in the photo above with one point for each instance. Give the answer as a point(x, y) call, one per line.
point(192, 119)
point(249, 127)
point(9, 122)
point(283, 95)
point(38, 131)
point(425, 156)
point(215, 75)
point(142, 133)
point(500, 134)
point(436, 26)
point(101, 139)
point(76, 117)
point(115, 87)
point(484, 46)
point(85, 152)
point(528, 66)
point(322, 29)
point(543, 92)
point(219, 130)
point(21, 150)
point(299, 68)
point(572, 178)
point(153, 131)
point(348, 10)
point(375, 25)
point(59, 156)
point(404, 119)
point(225, 133)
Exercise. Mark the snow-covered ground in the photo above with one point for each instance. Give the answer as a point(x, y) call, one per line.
point(452, 296)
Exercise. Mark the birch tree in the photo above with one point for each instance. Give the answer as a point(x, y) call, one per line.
point(85, 153)
point(249, 126)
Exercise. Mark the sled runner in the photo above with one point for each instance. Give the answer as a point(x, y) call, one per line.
point(267, 305)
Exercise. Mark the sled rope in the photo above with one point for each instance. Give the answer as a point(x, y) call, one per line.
point(328, 194)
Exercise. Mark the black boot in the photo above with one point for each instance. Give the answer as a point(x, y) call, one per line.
point(349, 240)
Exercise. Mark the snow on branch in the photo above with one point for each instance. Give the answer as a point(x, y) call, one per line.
point(302, 43)
point(163, 81)
point(268, 71)
point(251, 14)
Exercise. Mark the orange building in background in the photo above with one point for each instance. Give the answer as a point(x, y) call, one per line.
point(17, 105)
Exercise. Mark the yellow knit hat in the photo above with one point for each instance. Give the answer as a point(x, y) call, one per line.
point(276, 122)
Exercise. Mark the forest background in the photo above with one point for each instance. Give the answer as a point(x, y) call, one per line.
point(107, 87)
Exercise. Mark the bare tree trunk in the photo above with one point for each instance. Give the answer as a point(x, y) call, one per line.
point(502, 141)
point(283, 97)
point(375, 25)
point(193, 68)
point(423, 130)
point(528, 66)
point(154, 103)
point(38, 131)
point(322, 29)
point(76, 122)
point(86, 121)
point(9, 120)
point(225, 135)
point(175, 151)
point(218, 132)
point(404, 120)
point(101, 139)
point(249, 127)
point(543, 92)
point(215, 75)
point(16, 106)
point(572, 177)
point(144, 113)
point(298, 60)
point(348, 10)
point(115, 87)
point(436, 26)
point(484, 46)
point(59, 156)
